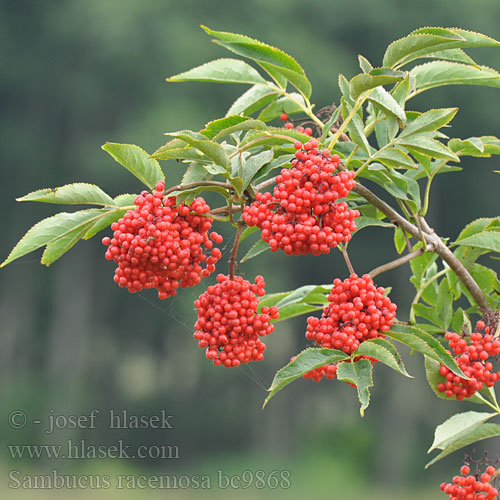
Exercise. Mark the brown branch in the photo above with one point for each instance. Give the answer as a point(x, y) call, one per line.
point(343, 249)
point(431, 239)
point(398, 262)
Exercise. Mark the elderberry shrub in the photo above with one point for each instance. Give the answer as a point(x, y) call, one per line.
point(472, 358)
point(161, 245)
point(303, 215)
point(357, 311)
point(228, 325)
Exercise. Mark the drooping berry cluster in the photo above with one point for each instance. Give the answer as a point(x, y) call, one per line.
point(472, 357)
point(228, 325)
point(357, 311)
point(303, 215)
point(163, 246)
point(469, 486)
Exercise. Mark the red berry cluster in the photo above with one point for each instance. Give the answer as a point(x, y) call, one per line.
point(357, 311)
point(469, 486)
point(228, 325)
point(303, 215)
point(472, 358)
point(160, 245)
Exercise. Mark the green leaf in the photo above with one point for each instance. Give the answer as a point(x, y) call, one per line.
point(384, 352)
point(420, 264)
point(104, 221)
point(293, 310)
point(256, 249)
point(252, 100)
point(72, 194)
point(283, 161)
point(378, 76)
point(251, 166)
point(274, 136)
point(125, 200)
point(454, 55)
point(427, 41)
point(474, 434)
point(329, 124)
point(364, 64)
point(456, 427)
point(221, 71)
point(386, 130)
point(58, 247)
point(399, 239)
point(358, 373)
point(385, 101)
point(247, 232)
point(487, 240)
point(270, 58)
point(445, 304)
point(478, 226)
point(429, 121)
point(234, 123)
point(302, 294)
point(424, 343)
point(394, 158)
point(283, 105)
point(476, 146)
point(167, 152)
point(136, 161)
point(429, 313)
point(46, 231)
point(427, 146)
point(307, 360)
point(355, 127)
point(363, 221)
point(213, 150)
point(438, 73)
point(196, 172)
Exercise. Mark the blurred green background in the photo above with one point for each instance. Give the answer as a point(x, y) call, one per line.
point(78, 73)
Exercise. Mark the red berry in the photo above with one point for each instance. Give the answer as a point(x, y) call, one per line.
point(283, 117)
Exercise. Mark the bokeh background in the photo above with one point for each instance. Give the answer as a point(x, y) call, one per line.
point(78, 73)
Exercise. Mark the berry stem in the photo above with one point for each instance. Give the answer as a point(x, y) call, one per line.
point(399, 262)
point(234, 251)
point(343, 249)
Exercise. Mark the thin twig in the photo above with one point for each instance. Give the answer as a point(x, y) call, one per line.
point(343, 249)
point(399, 262)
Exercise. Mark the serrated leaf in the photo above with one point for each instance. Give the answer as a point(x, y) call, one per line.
point(456, 427)
point(234, 123)
point(213, 150)
point(221, 71)
point(252, 100)
point(487, 240)
point(477, 226)
point(378, 76)
point(251, 165)
point(355, 128)
point(427, 146)
point(247, 232)
point(329, 124)
point(281, 162)
point(364, 221)
point(429, 121)
point(429, 313)
point(421, 263)
point(196, 172)
point(475, 434)
point(476, 146)
point(256, 249)
point(438, 73)
point(358, 373)
point(445, 304)
point(125, 200)
point(136, 161)
point(78, 193)
point(386, 130)
point(275, 136)
point(58, 247)
point(271, 59)
point(300, 295)
point(293, 310)
point(307, 360)
point(399, 239)
point(364, 64)
point(425, 41)
point(50, 229)
point(424, 343)
point(384, 352)
point(105, 220)
point(385, 101)
point(454, 55)
point(395, 158)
